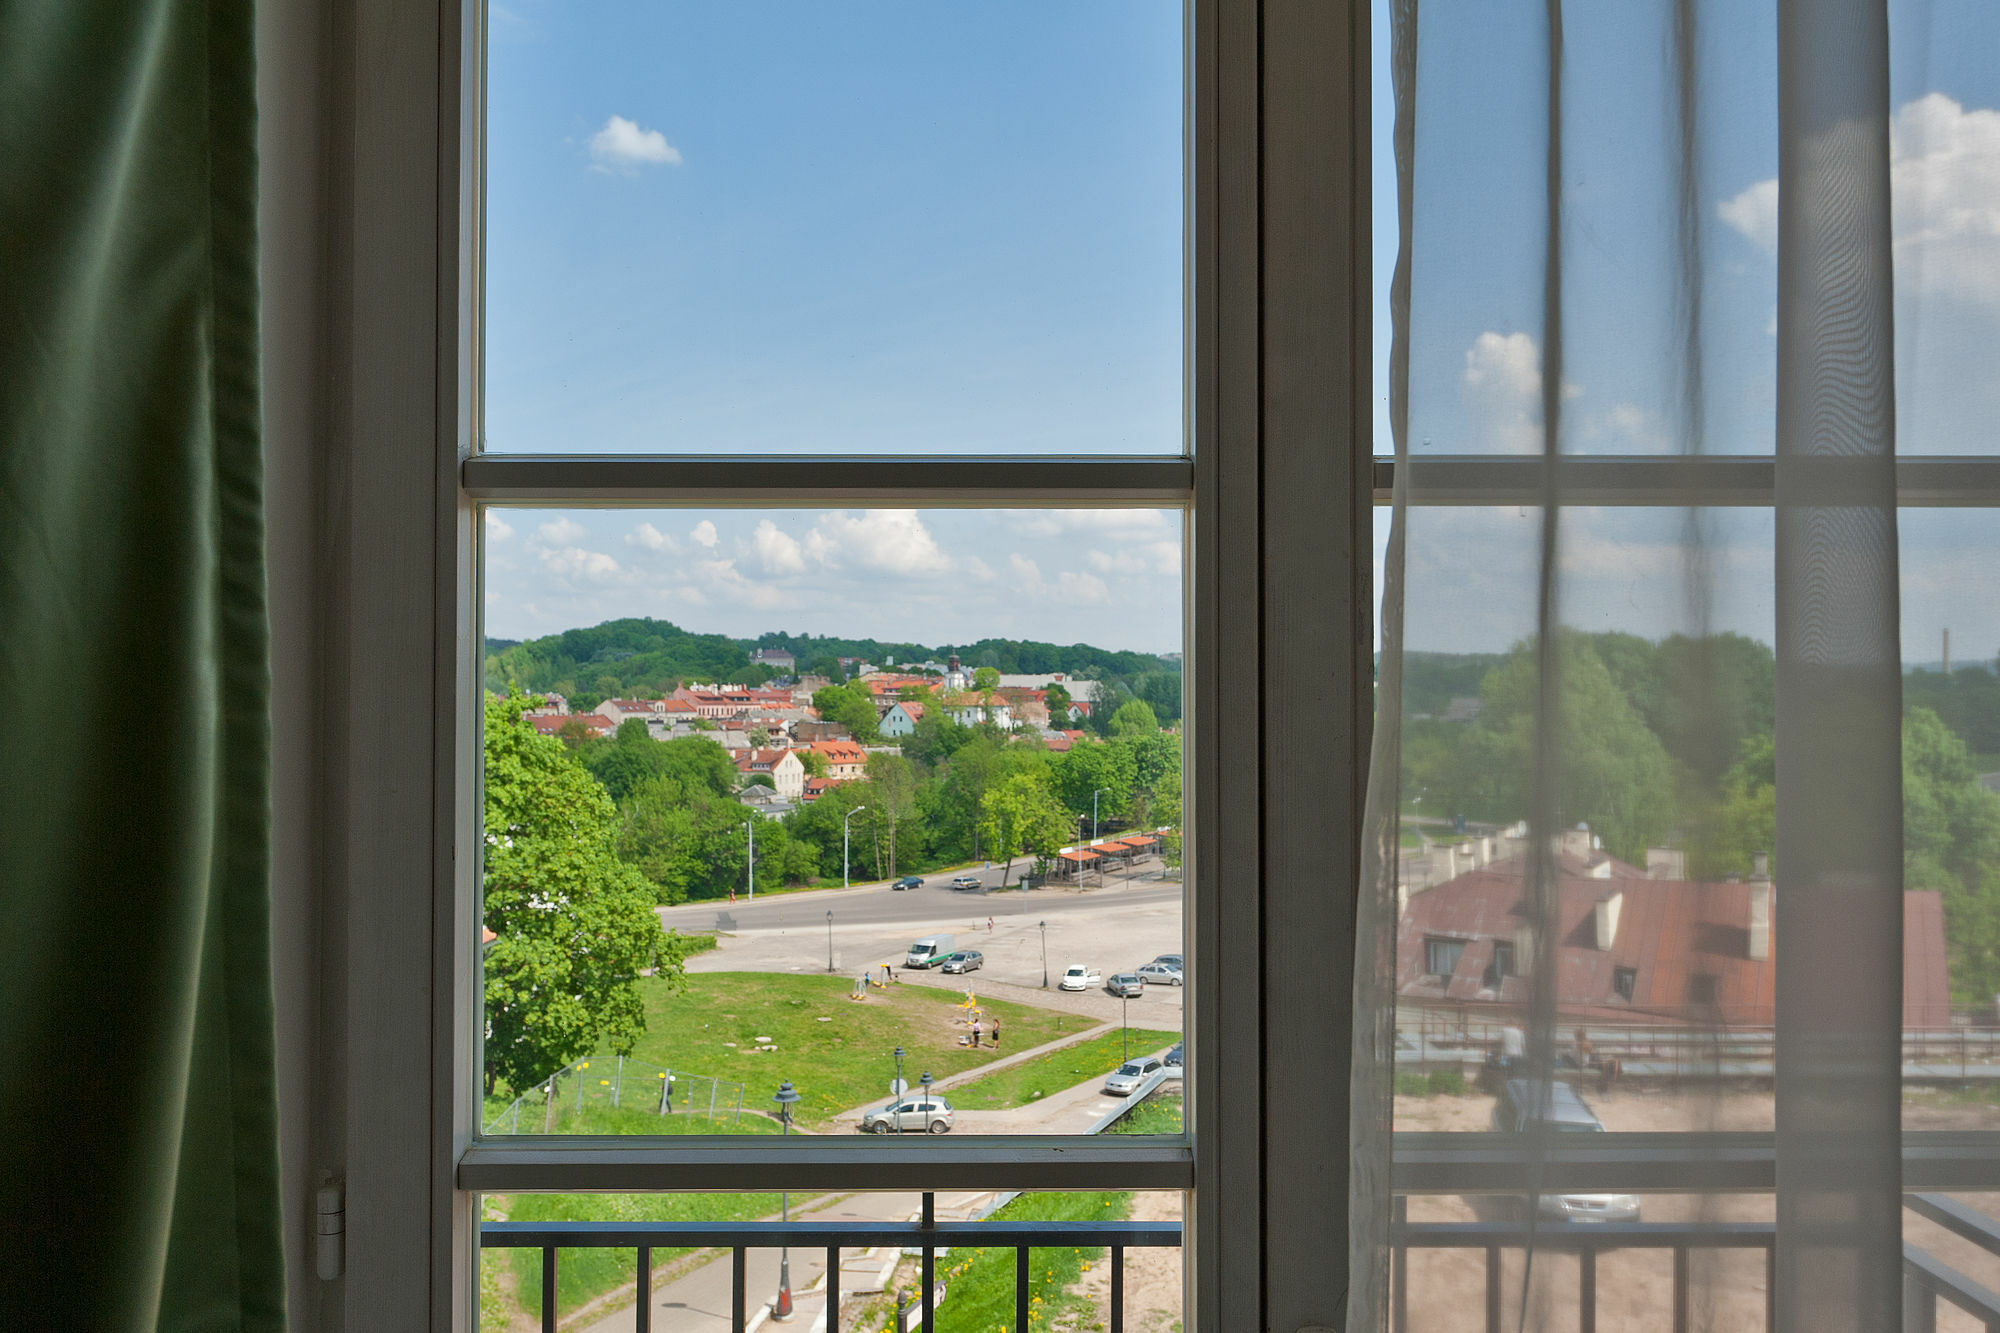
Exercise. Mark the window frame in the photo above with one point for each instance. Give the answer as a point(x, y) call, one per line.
point(1278, 296)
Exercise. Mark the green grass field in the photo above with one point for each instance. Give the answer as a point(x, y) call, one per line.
point(843, 1062)
point(1017, 1085)
point(980, 1298)
point(1158, 1114)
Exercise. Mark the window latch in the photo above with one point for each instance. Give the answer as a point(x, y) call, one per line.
point(330, 1229)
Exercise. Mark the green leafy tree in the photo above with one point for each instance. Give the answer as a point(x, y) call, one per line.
point(850, 706)
point(1087, 768)
point(625, 759)
point(1058, 700)
point(892, 795)
point(574, 924)
point(655, 835)
point(1135, 717)
point(986, 679)
point(1021, 816)
point(936, 738)
point(813, 762)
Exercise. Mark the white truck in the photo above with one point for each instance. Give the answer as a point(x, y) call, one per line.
point(928, 951)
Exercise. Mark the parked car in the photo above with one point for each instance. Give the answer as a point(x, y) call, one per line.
point(1173, 1059)
point(965, 881)
point(1160, 974)
point(1172, 960)
point(925, 1114)
point(1131, 1075)
point(1518, 1110)
point(1079, 977)
point(965, 960)
point(928, 951)
point(909, 882)
point(1126, 985)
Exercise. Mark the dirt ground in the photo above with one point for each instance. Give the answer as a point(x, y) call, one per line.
point(1447, 1288)
point(1153, 1286)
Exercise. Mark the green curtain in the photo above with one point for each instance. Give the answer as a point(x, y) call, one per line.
point(137, 1099)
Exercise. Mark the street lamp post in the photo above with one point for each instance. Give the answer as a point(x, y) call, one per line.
point(829, 941)
point(901, 1087)
point(1044, 926)
point(843, 846)
point(781, 1308)
point(1093, 809)
point(750, 874)
point(1125, 1017)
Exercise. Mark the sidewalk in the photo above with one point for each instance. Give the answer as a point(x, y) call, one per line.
point(700, 1301)
point(854, 1114)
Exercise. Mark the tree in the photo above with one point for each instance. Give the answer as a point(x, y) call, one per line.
point(893, 794)
point(1021, 815)
point(1135, 717)
point(574, 924)
point(1058, 701)
point(622, 762)
point(986, 679)
point(759, 738)
point(1080, 773)
point(655, 836)
point(849, 705)
point(813, 762)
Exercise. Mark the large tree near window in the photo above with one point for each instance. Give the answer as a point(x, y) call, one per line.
point(574, 924)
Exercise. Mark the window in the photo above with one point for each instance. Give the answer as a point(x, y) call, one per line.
point(1502, 965)
point(1623, 981)
point(1266, 292)
point(1441, 956)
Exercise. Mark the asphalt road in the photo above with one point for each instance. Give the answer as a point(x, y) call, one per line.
point(879, 905)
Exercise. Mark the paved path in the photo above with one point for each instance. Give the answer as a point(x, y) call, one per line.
point(700, 1301)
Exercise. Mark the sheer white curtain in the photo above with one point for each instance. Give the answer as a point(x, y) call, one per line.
point(1637, 760)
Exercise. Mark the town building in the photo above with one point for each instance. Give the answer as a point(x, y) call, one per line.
point(787, 774)
point(845, 761)
point(901, 719)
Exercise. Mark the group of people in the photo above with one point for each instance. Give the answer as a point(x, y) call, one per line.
point(993, 1032)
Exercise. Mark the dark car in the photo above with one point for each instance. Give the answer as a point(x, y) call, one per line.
point(909, 882)
point(965, 960)
point(1127, 985)
point(1174, 1056)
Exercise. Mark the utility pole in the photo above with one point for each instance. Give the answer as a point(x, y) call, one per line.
point(750, 872)
point(1045, 955)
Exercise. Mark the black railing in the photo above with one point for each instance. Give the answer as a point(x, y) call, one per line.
point(1926, 1280)
point(927, 1235)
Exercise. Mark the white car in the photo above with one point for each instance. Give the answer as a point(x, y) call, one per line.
point(1079, 977)
point(1131, 1075)
point(924, 1114)
point(1160, 974)
point(965, 881)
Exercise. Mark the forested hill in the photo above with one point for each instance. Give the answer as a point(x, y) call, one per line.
point(624, 656)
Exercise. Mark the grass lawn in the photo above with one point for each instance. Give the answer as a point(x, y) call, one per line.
point(1158, 1114)
point(1017, 1085)
point(845, 1061)
point(980, 1295)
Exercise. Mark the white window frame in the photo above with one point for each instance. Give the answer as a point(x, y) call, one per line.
point(1278, 489)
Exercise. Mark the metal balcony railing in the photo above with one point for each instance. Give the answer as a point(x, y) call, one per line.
point(927, 1235)
point(1926, 1280)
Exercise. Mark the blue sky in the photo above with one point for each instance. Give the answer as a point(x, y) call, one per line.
point(895, 227)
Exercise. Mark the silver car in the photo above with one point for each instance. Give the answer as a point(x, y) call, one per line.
point(924, 1114)
point(1160, 974)
point(965, 960)
point(1518, 1110)
point(1131, 1075)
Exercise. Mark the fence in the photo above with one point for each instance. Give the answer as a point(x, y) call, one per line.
point(617, 1082)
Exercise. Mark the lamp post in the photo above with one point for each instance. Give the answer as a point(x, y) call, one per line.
point(900, 1087)
point(843, 846)
point(1044, 927)
point(781, 1308)
point(750, 873)
point(1093, 809)
point(924, 1081)
point(829, 940)
point(1125, 1018)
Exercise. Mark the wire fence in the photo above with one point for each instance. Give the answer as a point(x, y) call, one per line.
point(613, 1082)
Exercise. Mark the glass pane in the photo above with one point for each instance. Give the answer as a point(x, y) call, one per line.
point(974, 1288)
point(793, 228)
point(903, 789)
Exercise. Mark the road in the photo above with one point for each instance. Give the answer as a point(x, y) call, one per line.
point(1112, 929)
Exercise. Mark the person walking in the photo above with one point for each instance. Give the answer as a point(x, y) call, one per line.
point(989, 925)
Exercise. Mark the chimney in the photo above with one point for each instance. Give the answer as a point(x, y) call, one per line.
point(1760, 907)
point(1605, 917)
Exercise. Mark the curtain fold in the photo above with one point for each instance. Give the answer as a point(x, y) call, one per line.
point(1638, 764)
point(136, 1045)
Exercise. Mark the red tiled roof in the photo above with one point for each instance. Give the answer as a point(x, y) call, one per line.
point(1683, 940)
point(1082, 854)
point(549, 725)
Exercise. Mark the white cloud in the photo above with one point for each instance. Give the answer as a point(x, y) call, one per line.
point(1503, 387)
point(1151, 558)
point(573, 562)
point(890, 541)
point(704, 534)
point(1106, 525)
point(561, 532)
point(730, 585)
point(652, 539)
point(622, 146)
point(1070, 587)
point(777, 550)
point(1944, 183)
point(498, 529)
point(979, 569)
